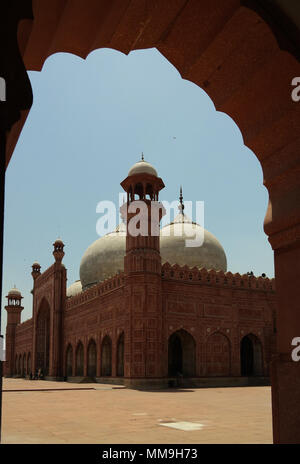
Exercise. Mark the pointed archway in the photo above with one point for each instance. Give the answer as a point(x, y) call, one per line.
point(69, 361)
point(79, 360)
point(251, 356)
point(181, 354)
point(20, 370)
point(120, 355)
point(205, 56)
point(29, 364)
point(106, 350)
point(24, 368)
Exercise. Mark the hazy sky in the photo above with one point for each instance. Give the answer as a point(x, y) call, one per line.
point(89, 123)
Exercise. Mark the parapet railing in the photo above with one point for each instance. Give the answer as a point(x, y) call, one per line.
point(45, 275)
point(96, 290)
point(212, 277)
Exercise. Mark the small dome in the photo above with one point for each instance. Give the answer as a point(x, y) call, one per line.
point(74, 289)
point(142, 166)
point(58, 242)
point(14, 292)
point(36, 264)
point(103, 258)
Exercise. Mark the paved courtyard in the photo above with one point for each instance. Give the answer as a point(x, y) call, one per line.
point(60, 412)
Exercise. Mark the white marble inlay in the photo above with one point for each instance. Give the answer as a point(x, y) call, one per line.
point(186, 426)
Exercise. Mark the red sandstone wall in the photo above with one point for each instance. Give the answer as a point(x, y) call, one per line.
point(4, 368)
point(23, 346)
point(217, 309)
point(92, 315)
point(205, 306)
point(24, 337)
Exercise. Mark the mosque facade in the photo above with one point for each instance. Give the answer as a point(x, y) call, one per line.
point(148, 310)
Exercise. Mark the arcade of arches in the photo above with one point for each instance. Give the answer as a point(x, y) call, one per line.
point(181, 357)
point(245, 54)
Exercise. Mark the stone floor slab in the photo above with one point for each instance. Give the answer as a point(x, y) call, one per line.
point(51, 414)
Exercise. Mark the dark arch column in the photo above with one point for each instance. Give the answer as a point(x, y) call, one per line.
point(29, 364)
point(43, 338)
point(120, 355)
point(181, 354)
point(79, 360)
point(175, 365)
point(251, 356)
point(69, 361)
point(20, 371)
point(106, 357)
point(24, 368)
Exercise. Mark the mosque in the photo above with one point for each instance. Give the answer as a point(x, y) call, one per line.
point(148, 310)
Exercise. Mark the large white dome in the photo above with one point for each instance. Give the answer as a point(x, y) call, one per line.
point(105, 257)
point(174, 247)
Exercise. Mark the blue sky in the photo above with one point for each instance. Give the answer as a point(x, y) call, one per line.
point(89, 122)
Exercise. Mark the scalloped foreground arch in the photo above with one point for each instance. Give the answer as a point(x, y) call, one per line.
point(236, 58)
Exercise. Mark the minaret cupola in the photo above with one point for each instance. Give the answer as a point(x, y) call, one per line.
point(14, 306)
point(14, 297)
point(58, 251)
point(142, 212)
point(36, 270)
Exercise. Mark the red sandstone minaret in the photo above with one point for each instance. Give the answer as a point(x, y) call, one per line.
point(142, 267)
point(14, 310)
point(56, 354)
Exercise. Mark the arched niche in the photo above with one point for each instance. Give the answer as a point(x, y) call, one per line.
point(120, 355)
point(24, 366)
point(181, 354)
point(79, 360)
point(69, 361)
point(251, 356)
point(106, 357)
point(29, 364)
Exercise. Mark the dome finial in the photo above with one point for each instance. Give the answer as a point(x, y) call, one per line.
point(142, 156)
point(181, 205)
